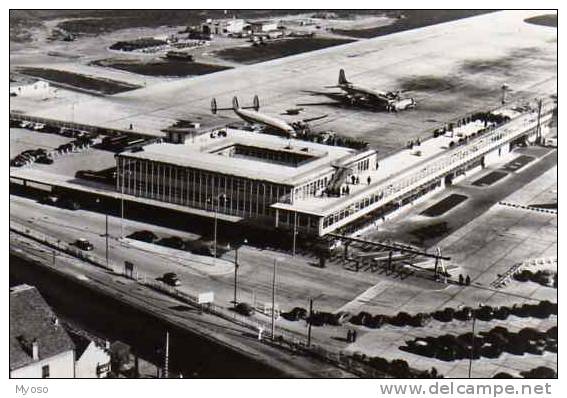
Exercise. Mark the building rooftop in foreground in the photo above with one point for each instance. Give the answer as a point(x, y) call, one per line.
point(33, 322)
point(233, 154)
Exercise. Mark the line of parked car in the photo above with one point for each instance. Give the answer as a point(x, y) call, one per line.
point(30, 156)
point(82, 141)
point(489, 344)
point(200, 247)
point(60, 201)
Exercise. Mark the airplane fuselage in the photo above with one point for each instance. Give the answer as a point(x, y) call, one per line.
point(270, 121)
point(365, 93)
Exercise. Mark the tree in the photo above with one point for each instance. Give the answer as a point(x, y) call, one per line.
point(399, 368)
point(380, 364)
point(541, 372)
point(502, 375)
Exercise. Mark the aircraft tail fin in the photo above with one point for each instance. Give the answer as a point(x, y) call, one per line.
point(214, 106)
point(342, 77)
point(235, 105)
point(255, 104)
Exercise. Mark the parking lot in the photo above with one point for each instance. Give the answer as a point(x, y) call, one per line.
point(66, 164)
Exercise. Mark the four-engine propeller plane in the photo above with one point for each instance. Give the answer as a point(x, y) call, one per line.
point(391, 101)
point(252, 115)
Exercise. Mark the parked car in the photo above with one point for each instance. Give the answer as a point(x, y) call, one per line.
point(44, 160)
point(144, 236)
point(296, 314)
point(341, 318)
point(70, 204)
point(171, 279)
point(175, 242)
point(244, 309)
point(49, 199)
point(17, 162)
point(84, 244)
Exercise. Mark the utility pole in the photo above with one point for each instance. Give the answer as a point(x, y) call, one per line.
point(294, 232)
point(235, 274)
point(215, 234)
point(472, 342)
point(309, 322)
point(121, 176)
point(166, 362)
point(274, 299)
point(106, 235)
point(538, 129)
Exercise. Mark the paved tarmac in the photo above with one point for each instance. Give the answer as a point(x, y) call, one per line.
point(451, 69)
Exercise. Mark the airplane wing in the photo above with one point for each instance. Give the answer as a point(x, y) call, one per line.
point(312, 119)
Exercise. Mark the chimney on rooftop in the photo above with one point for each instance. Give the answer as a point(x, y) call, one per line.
point(35, 349)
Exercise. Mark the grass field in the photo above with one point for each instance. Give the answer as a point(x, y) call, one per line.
point(444, 205)
point(99, 85)
point(412, 19)
point(489, 179)
point(165, 68)
point(277, 49)
point(518, 163)
point(545, 20)
point(104, 21)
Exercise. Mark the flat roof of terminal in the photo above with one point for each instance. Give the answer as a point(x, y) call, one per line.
point(449, 68)
point(198, 154)
point(397, 164)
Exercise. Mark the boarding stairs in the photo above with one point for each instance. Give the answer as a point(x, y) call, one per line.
point(338, 179)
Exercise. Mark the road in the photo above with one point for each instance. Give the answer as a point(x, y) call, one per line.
point(205, 326)
point(479, 199)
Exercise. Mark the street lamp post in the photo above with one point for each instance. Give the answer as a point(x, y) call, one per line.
point(98, 201)
point(309, 322)
point(294, 232)
point(472, 339)
point(215, 233)
point(215, 211)
point(106, 236)
point(274, 299)
point(236, 265)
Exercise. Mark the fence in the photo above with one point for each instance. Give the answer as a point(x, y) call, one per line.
point(505, 278)
point(537, 209)
point(283, 339)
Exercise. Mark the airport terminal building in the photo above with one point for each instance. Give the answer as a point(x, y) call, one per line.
point(237, 173)
point(315, 188)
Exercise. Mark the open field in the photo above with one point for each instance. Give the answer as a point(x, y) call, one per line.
point(250, 54)
point(162, 68)
point(75, 80)
point(411, 19)
point(544, 20)
point(443, 87)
